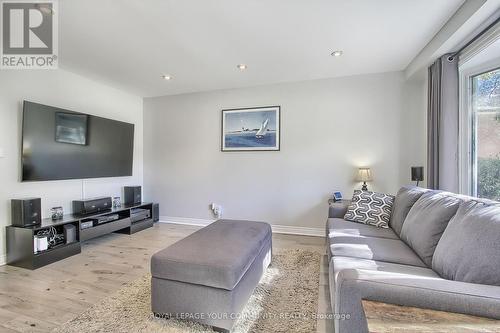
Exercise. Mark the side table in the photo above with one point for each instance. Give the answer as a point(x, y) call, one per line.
point(337, 209)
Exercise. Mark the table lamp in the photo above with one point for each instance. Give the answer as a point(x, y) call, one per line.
point(364, 175)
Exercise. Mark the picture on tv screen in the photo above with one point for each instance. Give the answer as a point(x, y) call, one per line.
point(71, 128)
point(60, 144)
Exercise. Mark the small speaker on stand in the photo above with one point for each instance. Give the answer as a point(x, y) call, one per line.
point(417, 174)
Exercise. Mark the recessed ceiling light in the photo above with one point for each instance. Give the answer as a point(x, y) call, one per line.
point(242, 67)
point(167, 77)
point(337, 53)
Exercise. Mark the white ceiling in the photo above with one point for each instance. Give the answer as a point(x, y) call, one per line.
point(130, 43)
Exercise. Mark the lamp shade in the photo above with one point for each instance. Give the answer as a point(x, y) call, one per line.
point(364, 174)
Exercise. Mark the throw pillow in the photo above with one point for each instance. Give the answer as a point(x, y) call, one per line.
point(469, 250)
point(370, 208)
point(405, 199)
point(426, 222)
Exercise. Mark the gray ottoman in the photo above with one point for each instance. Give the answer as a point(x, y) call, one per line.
point(209, 276)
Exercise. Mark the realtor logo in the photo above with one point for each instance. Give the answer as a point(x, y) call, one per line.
point(29, 35)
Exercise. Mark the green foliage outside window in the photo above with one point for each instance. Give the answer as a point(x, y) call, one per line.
point(488, 176)
point(486, 98)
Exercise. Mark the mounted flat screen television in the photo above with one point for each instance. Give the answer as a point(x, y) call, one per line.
point(61, 144)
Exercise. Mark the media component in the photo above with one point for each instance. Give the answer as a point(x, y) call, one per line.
point(91, 206)
point(61, 144)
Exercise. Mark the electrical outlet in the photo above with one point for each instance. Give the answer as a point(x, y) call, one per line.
point(218, 212)
point(216, 209)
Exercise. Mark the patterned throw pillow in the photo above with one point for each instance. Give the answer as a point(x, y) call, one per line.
point(370, 208)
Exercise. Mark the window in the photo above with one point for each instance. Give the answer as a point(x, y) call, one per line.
point(479, 131)
point(484, 134)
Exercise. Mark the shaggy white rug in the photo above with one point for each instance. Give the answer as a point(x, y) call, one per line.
point(286, 300)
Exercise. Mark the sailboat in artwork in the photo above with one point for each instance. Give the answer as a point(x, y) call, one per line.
point(263, 129)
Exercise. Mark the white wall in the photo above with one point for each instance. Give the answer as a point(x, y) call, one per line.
point(66, 90)
point(329, 128)
point(413, 128)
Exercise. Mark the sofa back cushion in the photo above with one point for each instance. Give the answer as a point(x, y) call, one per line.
point(469, 250)
point(405, 199)
point(370, 208)
point(426, 222)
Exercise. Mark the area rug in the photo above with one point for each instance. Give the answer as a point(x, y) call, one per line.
point(286, 300)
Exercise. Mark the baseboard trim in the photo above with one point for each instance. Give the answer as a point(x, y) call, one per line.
point(185, 221)
point(279, 229)
point(303, 231)
point(3, 260)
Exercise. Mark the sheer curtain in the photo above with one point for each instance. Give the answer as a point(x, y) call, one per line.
point(443, 124)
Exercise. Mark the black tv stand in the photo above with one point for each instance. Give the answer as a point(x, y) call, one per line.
point(20, 247)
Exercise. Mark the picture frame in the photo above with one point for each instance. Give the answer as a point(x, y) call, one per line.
point(337, 196)
point(251, 129)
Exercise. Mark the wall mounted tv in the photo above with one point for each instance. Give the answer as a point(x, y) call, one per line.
point(60, 144)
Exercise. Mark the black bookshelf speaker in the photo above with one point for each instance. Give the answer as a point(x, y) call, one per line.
point(26, 212)
point(133, 195)
point(156, 212)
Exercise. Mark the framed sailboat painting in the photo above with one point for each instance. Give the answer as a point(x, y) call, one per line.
point(251, 129)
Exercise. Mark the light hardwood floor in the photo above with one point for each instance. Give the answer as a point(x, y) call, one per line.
point(38, 301)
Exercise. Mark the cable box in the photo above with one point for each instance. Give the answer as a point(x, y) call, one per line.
point(86, 225)
point(107, 218)
point(139, 214)
point(91, 206)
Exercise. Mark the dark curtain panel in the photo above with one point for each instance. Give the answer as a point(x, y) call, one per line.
point(443, 124)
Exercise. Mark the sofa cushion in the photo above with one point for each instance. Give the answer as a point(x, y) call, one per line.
point(469, 249)
point(346, 298)
point(216, 256)
point(339, 264)
point(341, 227)
point(382, 249)
point(405, 199)
point(370, 208)
point(426, 222)
point(342, 263)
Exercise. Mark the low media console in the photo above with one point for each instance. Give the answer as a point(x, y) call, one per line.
point(127, 219)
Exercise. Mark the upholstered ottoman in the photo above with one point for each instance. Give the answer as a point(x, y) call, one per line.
point(209, 276)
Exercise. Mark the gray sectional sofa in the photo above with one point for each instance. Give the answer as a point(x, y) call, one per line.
point(442, 252)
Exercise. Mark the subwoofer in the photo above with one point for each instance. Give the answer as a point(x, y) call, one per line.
point(69, 233)
point(26, 212)
point(156, 212)
point(133, 195)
